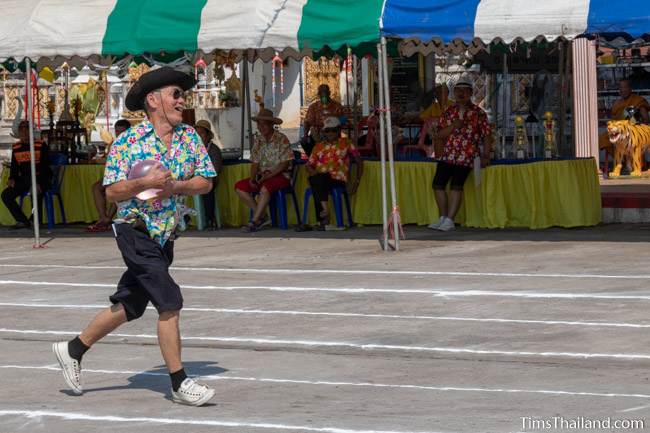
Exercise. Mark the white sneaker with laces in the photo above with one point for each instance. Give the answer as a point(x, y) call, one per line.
point(70, 366)
point(447, 225)
point(436, 225)
point(192, 393)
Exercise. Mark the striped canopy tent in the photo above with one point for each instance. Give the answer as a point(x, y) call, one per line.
point(429, 26)
point(50, 32)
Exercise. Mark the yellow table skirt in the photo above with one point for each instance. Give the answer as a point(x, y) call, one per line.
point(535, 195)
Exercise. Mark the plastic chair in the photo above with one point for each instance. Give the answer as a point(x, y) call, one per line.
point(200, 209)
point(337, 193)
point(278, 202)
point(49, 195)
point(198, 206)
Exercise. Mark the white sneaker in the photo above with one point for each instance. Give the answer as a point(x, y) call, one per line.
point(436, 225)
point(447, 225)
point(192, 393)
point(69, 365)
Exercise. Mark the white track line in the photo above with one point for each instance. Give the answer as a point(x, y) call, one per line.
point(348, 272)
point(360, 290)
point(357, 346)
point(76, 416)
point(350, 384)
point(355, 315)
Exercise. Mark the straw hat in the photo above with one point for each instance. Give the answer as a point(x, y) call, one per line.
point(266, 114)
point(205, 124)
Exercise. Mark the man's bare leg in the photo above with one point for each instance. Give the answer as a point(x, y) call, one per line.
point(103, 324)
point(247, 198)
point(262, 201)
point(441, 200)
point(169, 339)
point(455, 200)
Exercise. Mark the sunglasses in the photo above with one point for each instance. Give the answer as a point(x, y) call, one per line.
point(176, 94)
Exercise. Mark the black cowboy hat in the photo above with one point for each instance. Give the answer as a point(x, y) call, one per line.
point(154, 80)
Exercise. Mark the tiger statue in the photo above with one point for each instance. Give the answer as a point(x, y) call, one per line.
point(631, 140)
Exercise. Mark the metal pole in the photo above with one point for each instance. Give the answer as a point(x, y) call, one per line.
point(243, 104)
point(562, 113)
point(32, 160)
point(505, 114)
point(249, 105)
point(382, 153)
point(389, 137)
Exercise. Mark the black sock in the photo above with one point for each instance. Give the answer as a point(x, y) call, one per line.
point(177, 378)
point(76, 348)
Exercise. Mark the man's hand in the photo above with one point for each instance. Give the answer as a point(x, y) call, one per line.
point(11, 183)
point(166, 191)
point(264, 177)
point(158, 177)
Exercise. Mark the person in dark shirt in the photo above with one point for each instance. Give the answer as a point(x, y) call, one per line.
point(106, 213)
point(20, 178)
point(214, 152)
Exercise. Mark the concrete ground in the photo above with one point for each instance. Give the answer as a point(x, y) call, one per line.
point(470, 331)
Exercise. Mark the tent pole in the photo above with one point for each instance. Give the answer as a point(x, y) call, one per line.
point(504, 82)
point(242, 104)
point(32, 160)
point(389, 139)
point(382, 153)
point(250, 107)
point(562, 113)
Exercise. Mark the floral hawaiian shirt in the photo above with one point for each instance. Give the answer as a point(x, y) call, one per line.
point(462, 144)
point(318, 112)
point(333, 158)
point(188, 158)
point(269, 153)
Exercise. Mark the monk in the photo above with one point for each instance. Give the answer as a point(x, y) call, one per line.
point(628, 99)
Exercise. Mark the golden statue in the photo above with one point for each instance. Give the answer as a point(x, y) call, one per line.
point(521, 137)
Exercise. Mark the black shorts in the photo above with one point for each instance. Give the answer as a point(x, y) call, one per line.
point(457, 173)
point(147, 276)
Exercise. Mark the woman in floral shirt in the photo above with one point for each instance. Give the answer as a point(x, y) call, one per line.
point(329, 165)
point(464, 126)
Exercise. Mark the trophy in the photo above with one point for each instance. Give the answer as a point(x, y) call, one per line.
point(549, 135)
point(521, 137)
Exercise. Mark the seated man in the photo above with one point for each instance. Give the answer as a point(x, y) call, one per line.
point(627, 99)
point(317, 112)
point(271, 158)
point(214, 152)
point(20, 174)
point(630, 99)
point(103, 224)
point(329, 165)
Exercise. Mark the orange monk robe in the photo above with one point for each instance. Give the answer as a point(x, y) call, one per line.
point(633, 100)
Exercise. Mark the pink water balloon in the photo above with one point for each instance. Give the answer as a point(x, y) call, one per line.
point(140, 169)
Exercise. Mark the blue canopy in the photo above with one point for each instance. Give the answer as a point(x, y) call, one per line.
point(466, 20)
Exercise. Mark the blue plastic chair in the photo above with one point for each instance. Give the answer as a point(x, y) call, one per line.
point(49, 195)
point(278, 203)
point(337, 193)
